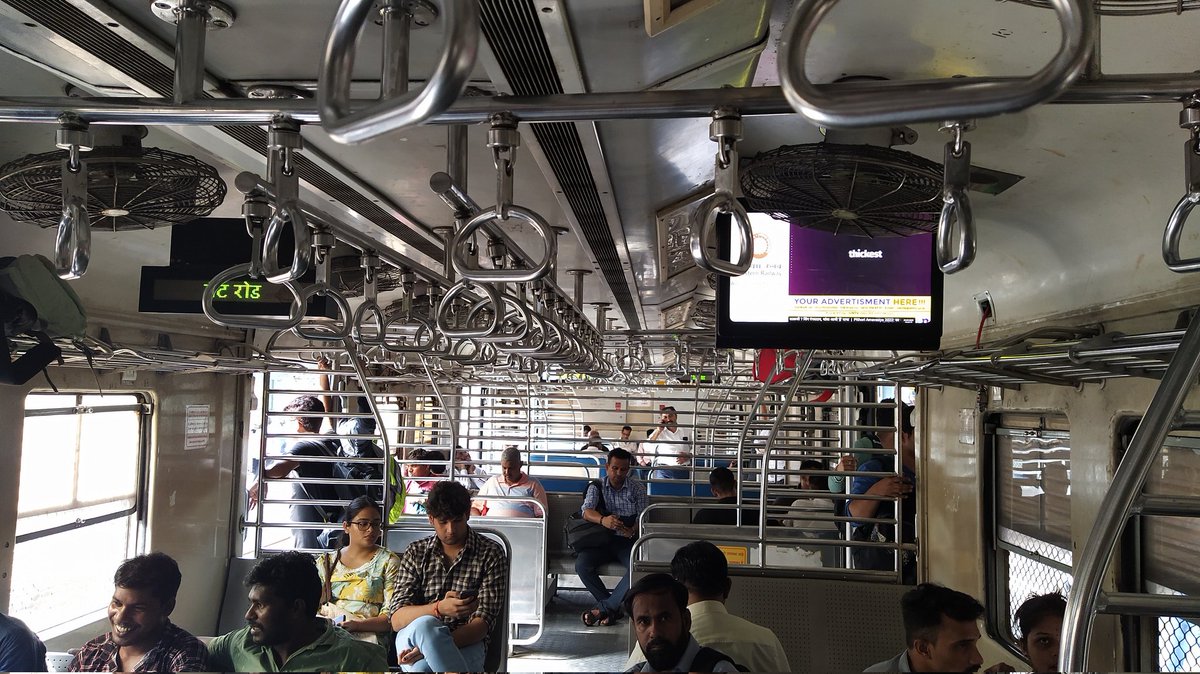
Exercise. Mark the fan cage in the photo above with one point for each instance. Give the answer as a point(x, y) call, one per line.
point(859, 190)
point(129, 188)
point(1128, 7)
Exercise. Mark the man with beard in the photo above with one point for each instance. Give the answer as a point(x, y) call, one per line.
point(143, 638)
point(453, 587)
point(284, 633)
point(702, 568)
point(941, 630)
point(657, 604)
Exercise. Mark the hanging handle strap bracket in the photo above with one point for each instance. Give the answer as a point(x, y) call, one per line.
point(726, 131)
point(956, 204)
point(73, 242)
point(1189, 118)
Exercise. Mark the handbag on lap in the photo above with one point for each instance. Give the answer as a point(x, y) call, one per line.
point(582, 534)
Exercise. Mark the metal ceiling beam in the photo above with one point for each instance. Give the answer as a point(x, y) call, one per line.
point(555, 108)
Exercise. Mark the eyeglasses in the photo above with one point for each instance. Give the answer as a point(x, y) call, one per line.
point(366, 525)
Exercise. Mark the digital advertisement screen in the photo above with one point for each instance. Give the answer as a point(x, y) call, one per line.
point(811, 288)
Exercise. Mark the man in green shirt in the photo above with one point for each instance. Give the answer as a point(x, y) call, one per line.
point(285, 634)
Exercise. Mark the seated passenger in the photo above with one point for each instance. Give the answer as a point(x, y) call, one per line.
point(420, 483)
point(724, 487)
point(657, 604)
point(465, 471)
point(359, 580)
point(813, 528)
point(594, 443)
point(511, 482)
point(284, 632)
point(616, 505)
point(703, 570)
point(1039, 620)
point(453, 589)
point(941, 631)
point(20, 649)
point(143, 638)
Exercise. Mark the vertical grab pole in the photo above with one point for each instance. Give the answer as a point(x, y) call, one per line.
point(190, 33)
point(380, 430)
point(766, 461)
point(263, 418)
point(1161, 416)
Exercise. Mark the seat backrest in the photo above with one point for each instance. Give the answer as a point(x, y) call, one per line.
point(496, 658)
point(234, 602)
point(58, 662)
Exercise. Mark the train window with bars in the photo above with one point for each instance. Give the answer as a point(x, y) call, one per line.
point(82, 460)
point(1029, 486)
point(1168, 553)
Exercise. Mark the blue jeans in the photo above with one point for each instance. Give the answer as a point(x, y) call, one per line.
point(432, 636)
point(590, 559)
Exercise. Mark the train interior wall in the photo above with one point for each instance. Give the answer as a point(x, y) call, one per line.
point(189, 497)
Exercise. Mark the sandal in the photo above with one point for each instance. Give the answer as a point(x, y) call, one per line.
point(608, 619)
point(593, 617)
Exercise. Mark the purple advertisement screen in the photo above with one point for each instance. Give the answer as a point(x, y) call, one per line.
point(823, 263)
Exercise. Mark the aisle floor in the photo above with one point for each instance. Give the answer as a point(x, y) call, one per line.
point(567, 645)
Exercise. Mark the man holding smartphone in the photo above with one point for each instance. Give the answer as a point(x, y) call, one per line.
point(453, 587)
point(667, 446)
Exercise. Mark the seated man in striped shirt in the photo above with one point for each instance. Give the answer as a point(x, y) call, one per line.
point(616, 506)
point(453, 589)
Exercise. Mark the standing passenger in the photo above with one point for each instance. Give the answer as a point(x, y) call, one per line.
point(362, 575)
point(20, 649)
point(892, 487)
point(511, 482)
point(305, 539)
point(143, 638)
point(667, 446)
point(284, 633)
point(624, 498)
point(453, 589)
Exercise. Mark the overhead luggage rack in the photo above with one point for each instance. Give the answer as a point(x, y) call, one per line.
point(1056, 357)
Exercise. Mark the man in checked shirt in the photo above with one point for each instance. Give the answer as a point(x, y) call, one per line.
point(453, 589)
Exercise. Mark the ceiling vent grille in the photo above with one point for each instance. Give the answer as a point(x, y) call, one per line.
point(515, 36)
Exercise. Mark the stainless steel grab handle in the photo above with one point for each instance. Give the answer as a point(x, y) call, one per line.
point(515, 275)
point(461, 18)
point(295, 312)
point(898, 104)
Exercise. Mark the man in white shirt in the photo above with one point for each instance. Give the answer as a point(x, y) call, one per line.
point(511, 482)
point(667, 446)
point(703, 570)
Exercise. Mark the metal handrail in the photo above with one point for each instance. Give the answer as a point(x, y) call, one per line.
point(324, 333)
point(1161, 416)
point(295, 311)
point(391, 113)
point(907, 103)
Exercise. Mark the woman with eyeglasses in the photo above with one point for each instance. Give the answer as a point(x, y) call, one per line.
point(360, 578)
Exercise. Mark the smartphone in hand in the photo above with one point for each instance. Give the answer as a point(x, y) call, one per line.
point(469, 593)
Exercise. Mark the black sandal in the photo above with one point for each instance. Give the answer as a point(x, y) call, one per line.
point(609, 619)
point(593, 617)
